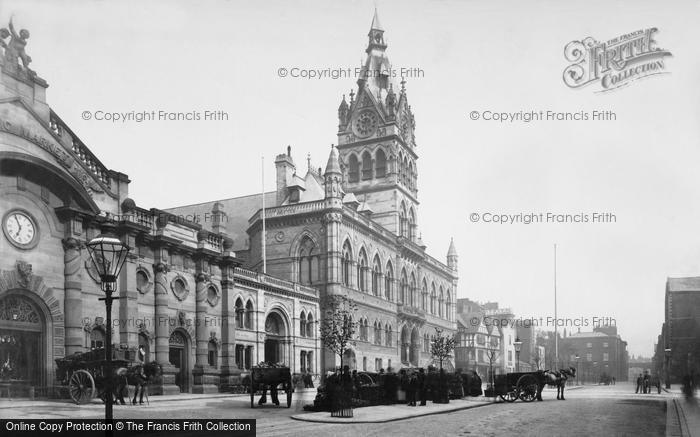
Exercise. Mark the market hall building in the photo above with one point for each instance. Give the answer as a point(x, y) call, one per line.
point(351, 228)
point(183, 293)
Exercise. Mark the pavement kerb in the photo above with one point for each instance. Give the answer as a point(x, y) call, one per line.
point(324, 417)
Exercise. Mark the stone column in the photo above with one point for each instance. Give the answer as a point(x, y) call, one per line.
point(72, 303)
point(162, 321)
point(128, 298)
point(331, 221)
point(205, 377)
point(229, 371)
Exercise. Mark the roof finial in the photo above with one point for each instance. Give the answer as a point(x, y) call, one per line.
point(289, 150)
point(403, 85)
point(308, 161)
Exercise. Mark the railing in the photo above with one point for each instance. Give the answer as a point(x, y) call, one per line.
point(411, 311)
point(215, 241)
point(275, 282)
point(143, 217)
point(79, 149)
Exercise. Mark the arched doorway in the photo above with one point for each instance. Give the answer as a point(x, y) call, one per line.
point(414, 352)
point(405, 344)
point(22, 336)
point(179, 358)
point(275, 338)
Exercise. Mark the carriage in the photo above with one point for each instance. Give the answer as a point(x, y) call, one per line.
point(263, 376)
point(84, 373)
point(518, 385)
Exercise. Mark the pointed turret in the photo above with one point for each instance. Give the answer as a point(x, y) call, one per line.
point(343, 114)
point(452, 255)
point(333, 177)
point(333, 165)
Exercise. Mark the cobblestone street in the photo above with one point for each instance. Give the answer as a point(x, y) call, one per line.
point(591, 410)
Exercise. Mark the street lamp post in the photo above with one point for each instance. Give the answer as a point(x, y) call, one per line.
point(108, 254)
point(577, 359)
point(518, 345)
point(667, 372)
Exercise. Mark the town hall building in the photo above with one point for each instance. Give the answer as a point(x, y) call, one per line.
point(352, 228)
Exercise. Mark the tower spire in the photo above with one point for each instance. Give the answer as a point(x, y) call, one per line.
point(376, 34)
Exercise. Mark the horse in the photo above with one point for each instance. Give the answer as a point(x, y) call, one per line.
point(138, 376)
point(556, 379)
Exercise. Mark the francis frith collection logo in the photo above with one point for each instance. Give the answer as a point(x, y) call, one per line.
point(614, 63)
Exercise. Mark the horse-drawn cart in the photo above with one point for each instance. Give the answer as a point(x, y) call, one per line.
point(85, 373)
point(264, 377)
point(520, 385)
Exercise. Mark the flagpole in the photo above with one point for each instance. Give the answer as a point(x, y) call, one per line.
point(556, 327)
point(264, 249)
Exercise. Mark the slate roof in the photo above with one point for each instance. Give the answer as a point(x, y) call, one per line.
point(238, 210)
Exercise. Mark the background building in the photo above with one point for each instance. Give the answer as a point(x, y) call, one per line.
point(601, 352)
point(681, 330)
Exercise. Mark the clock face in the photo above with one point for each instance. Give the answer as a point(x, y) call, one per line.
point(365, 124)
point(20, 229)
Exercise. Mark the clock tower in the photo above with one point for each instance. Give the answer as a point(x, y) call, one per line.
point(376, 142)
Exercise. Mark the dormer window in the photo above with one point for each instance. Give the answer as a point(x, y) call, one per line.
point(294, 196)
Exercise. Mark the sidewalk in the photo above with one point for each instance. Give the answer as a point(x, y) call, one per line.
point(390, 413)
point(154, 399)
point(683, 417)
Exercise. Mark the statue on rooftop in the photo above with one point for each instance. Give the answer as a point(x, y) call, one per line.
point(15, 48)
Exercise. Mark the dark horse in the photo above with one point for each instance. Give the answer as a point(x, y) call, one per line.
point(138, 376)
point(554, 378)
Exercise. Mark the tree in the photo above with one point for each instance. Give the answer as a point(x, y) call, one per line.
point(441, 346)
point(338, 325)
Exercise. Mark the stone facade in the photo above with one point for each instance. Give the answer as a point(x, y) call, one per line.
point(183, 294)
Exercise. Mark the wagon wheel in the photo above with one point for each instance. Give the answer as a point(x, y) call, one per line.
point(527, 388)
point(510, 396)
point(289, 388)
point(81, 386)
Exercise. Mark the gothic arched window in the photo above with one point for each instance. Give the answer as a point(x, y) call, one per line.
point(404, 287)
point(310, 325)
point(346, 263)
point(308, 261)
point(354, 170)
point(376, 275)
point(362, 270)
point(240, 313)
point(302, 324)
point(249, 315)
point(380, 164)
point(366, 166)
point(412, 290)
point(388, 281)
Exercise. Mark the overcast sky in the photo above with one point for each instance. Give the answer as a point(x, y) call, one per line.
point(475, 56)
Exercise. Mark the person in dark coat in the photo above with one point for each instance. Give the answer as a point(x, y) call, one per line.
point(411, 389)
point(422, 387)
point(640, 381)
point(390, 386)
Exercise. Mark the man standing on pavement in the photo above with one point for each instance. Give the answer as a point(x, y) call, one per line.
point(640, 381)
point(421, 387)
